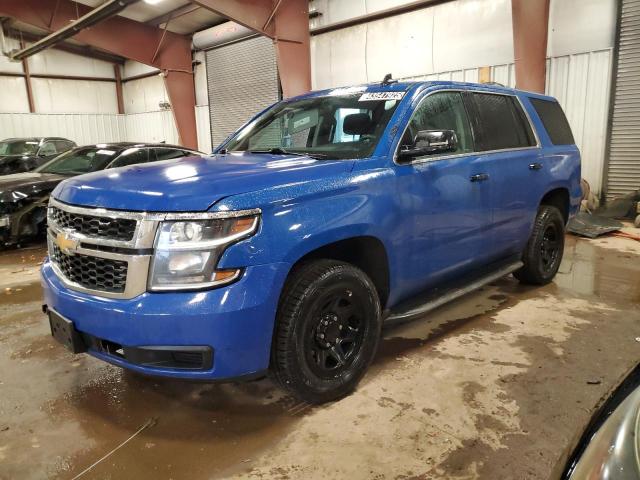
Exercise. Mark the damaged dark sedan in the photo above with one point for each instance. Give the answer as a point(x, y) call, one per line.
point(24, 196)
point(26, 154)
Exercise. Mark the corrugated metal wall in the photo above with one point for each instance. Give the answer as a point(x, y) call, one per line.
point(151, 127)
point(81, 128)
point(623, 174)
point(98, 128)
point(582, 85)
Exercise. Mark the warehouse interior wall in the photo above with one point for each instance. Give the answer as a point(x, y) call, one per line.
point(447, 41)
point(86, 111)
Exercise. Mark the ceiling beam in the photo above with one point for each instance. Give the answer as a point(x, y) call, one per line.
point(82, 50)
point(167, 51)
point(105, 11)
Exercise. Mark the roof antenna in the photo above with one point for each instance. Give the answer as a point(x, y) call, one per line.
point(387, 80)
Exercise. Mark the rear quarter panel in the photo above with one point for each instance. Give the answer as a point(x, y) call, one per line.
point(562, 162)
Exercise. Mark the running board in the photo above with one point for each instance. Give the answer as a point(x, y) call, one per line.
point(452, 294)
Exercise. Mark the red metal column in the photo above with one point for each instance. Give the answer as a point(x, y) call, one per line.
point(294, 56)
point(27, 82)
point(530, 28)
point(129, 39)
point(119, 96)
point(182, 96)
point(284, 21)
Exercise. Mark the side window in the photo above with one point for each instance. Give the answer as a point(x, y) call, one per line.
point(501, 123)
point(131, 157)
point(441, 111)
point(166, 154)
point(47, 148)
point(554, 121)
point(62, 145)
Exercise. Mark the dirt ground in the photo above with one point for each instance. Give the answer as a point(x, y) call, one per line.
point(497, 385)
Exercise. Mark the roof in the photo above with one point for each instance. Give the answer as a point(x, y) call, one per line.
point(405, 86)
point(39, 139)
point(125, 145)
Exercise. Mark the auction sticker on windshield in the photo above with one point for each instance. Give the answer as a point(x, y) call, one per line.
point(366, 97)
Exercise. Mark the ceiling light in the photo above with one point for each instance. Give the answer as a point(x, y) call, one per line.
point(152, 2)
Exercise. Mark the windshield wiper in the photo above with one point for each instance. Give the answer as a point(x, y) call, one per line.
point(282, 151)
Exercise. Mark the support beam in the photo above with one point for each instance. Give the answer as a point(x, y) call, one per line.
point(119, 96)
point(284, 21)
point(27, 82)
point(105, 11)
point(127, 38)
point(530, 29)
point(82, 50)
point(294, 59)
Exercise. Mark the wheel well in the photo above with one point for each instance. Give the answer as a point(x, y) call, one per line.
point(558, 198)
point(366, 253)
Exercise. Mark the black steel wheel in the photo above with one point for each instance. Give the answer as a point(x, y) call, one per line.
point(543, 253)
point(327, 330)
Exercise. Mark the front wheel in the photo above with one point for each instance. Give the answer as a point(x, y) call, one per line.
point(543, 253)
point(327, 330)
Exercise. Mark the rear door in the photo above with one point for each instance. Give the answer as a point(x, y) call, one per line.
point(444, 200)
point(513, 163)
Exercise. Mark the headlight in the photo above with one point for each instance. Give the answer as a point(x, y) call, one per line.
point(187, 252)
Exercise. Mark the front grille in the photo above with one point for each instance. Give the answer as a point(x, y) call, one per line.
point(95, 273)
point(92, 226)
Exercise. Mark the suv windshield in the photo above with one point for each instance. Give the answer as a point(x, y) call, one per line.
point(347, 126)
point(19, 147)
point(79, 160)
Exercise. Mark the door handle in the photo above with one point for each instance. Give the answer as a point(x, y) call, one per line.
point(535, 166)
point(480, 177)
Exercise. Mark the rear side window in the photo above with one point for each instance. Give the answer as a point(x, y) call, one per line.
point(168, 153)
point(554, 121)
point(501, 123)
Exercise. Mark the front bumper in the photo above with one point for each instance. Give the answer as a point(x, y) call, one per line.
point(236, 321)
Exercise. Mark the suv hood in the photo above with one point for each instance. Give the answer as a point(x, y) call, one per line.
point(192, 184)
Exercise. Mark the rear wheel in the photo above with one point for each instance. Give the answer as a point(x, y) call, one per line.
point(327, 331)
point(543, 253)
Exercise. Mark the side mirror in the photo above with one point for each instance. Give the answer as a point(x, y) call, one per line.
point(429, 142)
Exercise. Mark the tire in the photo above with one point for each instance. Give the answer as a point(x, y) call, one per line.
point(543, 253)
point(327, 330)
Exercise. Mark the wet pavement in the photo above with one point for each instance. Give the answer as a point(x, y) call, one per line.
point(496, 385)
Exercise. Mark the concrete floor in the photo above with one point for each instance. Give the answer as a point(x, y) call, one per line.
point(495, 385)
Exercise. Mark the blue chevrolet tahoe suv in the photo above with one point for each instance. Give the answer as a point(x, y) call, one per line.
point(320, 219)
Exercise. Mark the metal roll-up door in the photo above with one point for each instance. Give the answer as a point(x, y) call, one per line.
point(623, 174)
point(242, 80)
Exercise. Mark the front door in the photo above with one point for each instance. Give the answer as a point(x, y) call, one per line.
point(445, 197)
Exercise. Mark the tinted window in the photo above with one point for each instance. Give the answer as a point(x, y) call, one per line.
point(48, 148)
point(131, 157)
point(19, 147)
point(62, 145)
point(554, 121)
point(168, 153)
point(441, 111)
point(501, 123)
point(79, 160)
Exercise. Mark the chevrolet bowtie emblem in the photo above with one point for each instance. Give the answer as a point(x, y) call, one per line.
point(66, 242)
